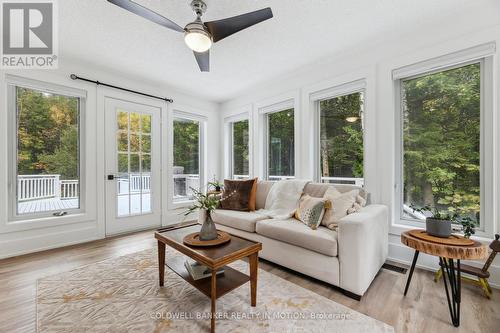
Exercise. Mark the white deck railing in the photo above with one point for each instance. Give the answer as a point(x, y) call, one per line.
point(70, 189)
point(34, 187)
point(344, 180)
point(240, 177)
point(37, 187)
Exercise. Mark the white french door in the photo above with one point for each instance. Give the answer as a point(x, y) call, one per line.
point(133, 185)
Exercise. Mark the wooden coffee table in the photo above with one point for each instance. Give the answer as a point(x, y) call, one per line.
point(214, 258)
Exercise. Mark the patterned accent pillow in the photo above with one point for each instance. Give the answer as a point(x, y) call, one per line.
point(310, 211)
point(238, 195)
point(342, 205)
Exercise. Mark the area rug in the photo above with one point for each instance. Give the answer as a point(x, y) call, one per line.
point(122, 295)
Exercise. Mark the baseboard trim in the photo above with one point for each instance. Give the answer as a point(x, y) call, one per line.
point(351, 295)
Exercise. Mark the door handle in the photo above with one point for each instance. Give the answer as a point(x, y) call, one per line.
point(111, 177)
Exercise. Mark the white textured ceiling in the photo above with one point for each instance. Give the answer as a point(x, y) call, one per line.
point(301, 32)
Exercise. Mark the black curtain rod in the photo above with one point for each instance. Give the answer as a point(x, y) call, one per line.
point(75, 77)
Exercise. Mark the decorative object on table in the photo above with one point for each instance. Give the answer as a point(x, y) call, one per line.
point(199, 271)
point(239, 195)
point(438, 223)
point(452, 240)
point(482, 274)
point(204, 204)
point(215, 185)
point(468, 226)
point(193, 239)
point(311, 210)
point(449, 258)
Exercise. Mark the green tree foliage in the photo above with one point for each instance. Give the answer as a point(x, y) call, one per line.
point(240, 147)
point(442, 140)
point(47, 127)
point(281, 143)
point(341, 140)
point(187, 145)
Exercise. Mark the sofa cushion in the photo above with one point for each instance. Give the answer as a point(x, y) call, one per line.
point(322, 240)
point(341, 206)
point(310, 211)
point(236, 219)
point(238, 194)
point(263, 188)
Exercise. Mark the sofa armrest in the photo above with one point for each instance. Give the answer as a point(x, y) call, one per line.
point(363, 247)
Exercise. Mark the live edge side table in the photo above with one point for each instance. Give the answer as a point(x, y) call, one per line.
point(449, 255)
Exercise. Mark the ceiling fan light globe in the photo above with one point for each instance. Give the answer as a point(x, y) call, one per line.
point(198, 41)
point(352, 119)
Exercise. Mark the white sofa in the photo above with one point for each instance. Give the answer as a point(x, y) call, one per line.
point(348, 258)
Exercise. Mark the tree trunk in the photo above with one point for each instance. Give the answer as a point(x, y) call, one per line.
point(428, 195)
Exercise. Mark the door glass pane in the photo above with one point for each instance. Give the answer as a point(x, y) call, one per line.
point(134, 163)
point(48, 151)
point(240, 149)
point(186, 158)
point(341, 140)
point(281, 145)
point(441, 142)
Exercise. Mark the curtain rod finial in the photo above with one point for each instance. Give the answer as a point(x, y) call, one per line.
point(73, 76)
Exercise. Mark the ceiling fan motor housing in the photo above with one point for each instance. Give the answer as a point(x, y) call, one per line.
point(197, 27)
point(199, 7)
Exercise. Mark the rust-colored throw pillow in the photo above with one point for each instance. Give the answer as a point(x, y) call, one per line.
point(237, 194)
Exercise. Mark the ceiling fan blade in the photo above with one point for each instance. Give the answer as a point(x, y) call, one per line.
point(203, 60)
point(226, 27)
point(146, 13)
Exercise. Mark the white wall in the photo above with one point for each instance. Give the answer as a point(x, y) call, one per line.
point(46, 235)
point(375, 62)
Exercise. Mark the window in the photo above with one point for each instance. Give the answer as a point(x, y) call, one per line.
point(280, 145)
point(341, 139)
point(46, 151)
point(442, 131)
point(134, 162)
point(239, 149)
point(186, 171)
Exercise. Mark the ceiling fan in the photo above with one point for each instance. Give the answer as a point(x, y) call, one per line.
point(198, 35)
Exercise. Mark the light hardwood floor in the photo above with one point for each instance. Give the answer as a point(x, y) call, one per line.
point(424, 309)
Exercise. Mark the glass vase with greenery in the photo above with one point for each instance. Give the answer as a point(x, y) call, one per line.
point(204, 204)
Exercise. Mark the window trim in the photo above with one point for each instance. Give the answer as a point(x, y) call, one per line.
point(353, 87)
point(481, 55)
point(202, 120)
point(24, 221)
point(229, 143)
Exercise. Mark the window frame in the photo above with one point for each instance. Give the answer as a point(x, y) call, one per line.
point(357, 86)
point(202, 124)
point(14, 218)
point(229, 139)
point(437, 65)
point(265, 112)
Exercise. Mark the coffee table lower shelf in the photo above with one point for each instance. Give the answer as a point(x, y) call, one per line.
point(226, 282)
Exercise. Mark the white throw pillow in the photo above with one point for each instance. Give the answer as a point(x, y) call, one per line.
point(341, 205)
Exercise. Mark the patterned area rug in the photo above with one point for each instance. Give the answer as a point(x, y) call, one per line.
point(122, 294)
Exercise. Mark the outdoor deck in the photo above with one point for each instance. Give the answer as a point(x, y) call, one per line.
point(56, 205)
point(44, 205)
